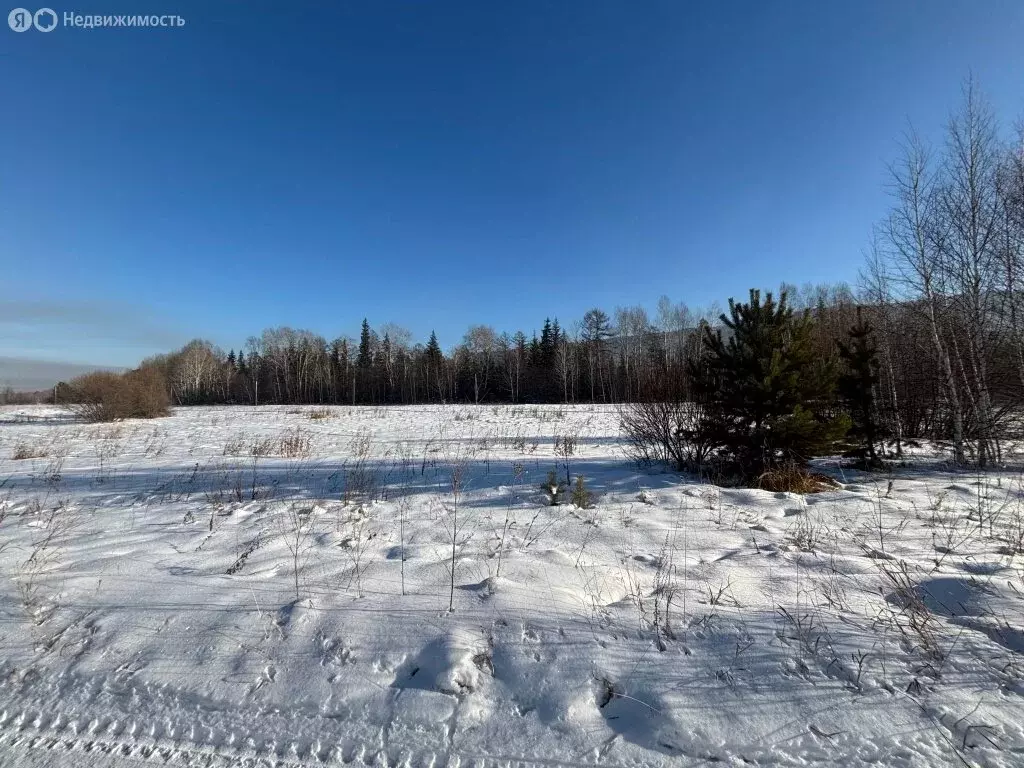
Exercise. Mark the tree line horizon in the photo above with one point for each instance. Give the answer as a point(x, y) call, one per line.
point(940, 292)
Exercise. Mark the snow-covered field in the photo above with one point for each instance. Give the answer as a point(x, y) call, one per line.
point(167, 597)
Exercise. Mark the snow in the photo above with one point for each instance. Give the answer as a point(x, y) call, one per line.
point(149, 610)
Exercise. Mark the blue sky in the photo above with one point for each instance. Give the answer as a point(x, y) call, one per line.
point(441, 164)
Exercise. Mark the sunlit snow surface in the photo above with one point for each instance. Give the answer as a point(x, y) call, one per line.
point(148, 607)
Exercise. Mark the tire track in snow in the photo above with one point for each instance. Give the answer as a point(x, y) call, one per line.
point(82, 714)
point(101, 722)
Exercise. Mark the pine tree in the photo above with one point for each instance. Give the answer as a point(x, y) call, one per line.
point(857, 387)
point(769, 396)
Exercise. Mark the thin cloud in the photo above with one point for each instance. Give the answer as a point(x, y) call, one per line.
point(26, 375)
point(83, 324)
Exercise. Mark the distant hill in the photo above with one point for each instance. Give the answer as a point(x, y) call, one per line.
point(27, 375)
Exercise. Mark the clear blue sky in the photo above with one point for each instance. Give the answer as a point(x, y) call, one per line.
point(441, 164)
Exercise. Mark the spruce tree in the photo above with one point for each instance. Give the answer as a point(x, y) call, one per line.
point(434, 360)
point(769, 395)
point(433, 350)
point(857, 388)
point(547, 344)
point(364, 358)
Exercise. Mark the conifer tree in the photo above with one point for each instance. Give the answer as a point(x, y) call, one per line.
point(857, 387)
point(434, 360)
point(769, 397)
point(364, 358)
point(433, 350)
point(547, 345)
point(535, 350)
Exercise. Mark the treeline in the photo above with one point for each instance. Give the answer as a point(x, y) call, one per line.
point(11, 396)
point(940, 293)
point(595, 362)
point(603, 358)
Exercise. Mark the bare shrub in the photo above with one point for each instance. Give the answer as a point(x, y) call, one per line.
point(669, 430)
point(106, 396)
point(318, 414)
point(97, 396)
point(147, 394)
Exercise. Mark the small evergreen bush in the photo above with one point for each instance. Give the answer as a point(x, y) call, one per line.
point(581, 495)
point(553, 489)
